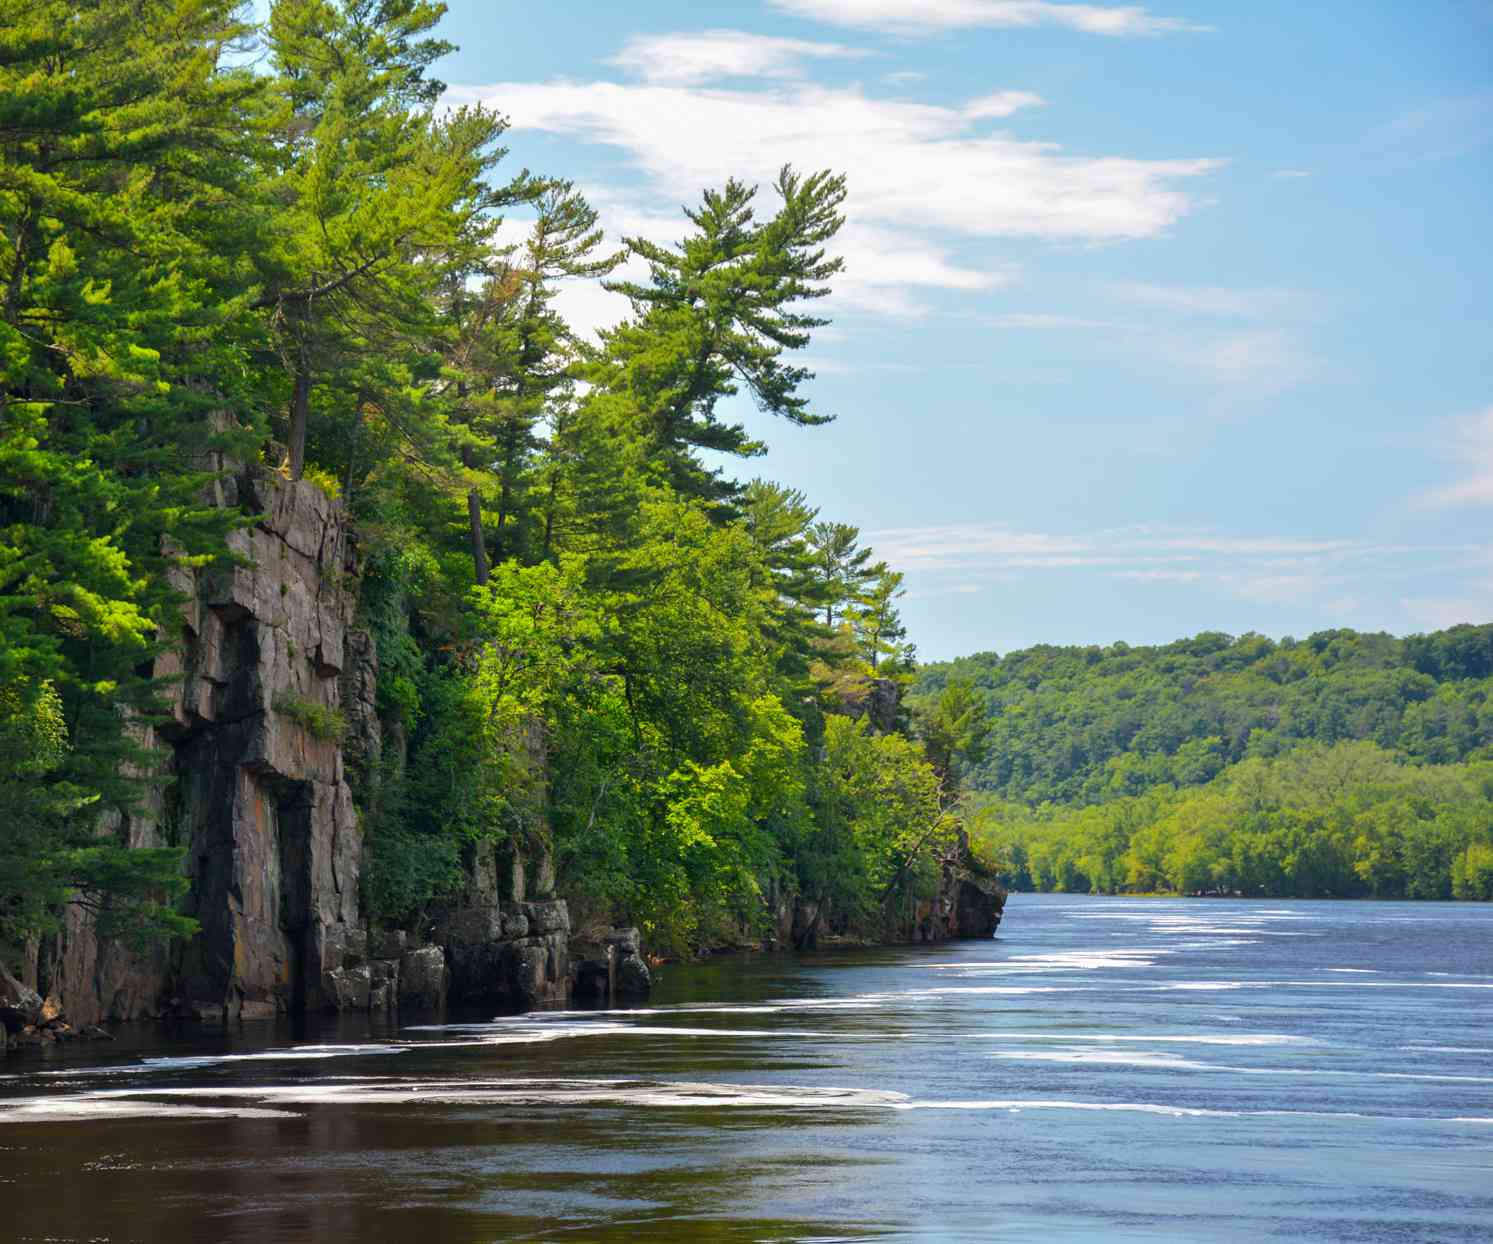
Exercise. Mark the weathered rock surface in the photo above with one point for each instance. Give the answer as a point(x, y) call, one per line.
point(611, 968)
point(20, 1005)
point(261, 799)
point(967, 904)
point(274, 841)
point(423, 979)
point(978, 906)
point(274, 712)
point(504, 951)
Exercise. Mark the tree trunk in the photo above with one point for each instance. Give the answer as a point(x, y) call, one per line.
point(300, 405)
point(479, 541)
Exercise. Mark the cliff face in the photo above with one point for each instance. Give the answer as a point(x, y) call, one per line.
point(273, 702)
point(274, 689)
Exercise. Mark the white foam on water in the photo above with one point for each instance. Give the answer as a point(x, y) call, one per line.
point(1258, 1038)
point(1470, 1119)
point(1381, 984)
point(986, 989)
point(1203, 928)
point(1316, 1072)
point(541, 1034)
point(136, 1102)
point(1017, 1104)
point(187, 1062)
point(95, 1108)
point(1203, 986)
point(1061, 961)
point(1107, 1058)
point(1448, 1049)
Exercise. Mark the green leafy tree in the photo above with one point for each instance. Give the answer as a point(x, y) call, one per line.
point(719, 313)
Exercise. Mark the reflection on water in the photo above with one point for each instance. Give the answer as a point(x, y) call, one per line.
point(1107, 1069)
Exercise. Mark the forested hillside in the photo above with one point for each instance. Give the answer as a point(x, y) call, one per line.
point(1344, 763)
point(226, 244)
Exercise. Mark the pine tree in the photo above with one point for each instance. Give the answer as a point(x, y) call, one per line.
point(125, 153)
point(841, 565)
point(378, 204)
point(718, 314)
point(874, 617)
point(513, 362)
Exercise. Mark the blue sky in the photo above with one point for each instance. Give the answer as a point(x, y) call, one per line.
point(1155, 319)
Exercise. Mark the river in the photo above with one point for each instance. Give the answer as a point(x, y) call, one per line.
point(1106, 1069)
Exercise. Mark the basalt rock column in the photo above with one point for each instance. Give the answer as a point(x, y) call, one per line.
point(264, 802)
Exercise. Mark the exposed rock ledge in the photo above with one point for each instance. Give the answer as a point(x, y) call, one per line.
point(271, 675)
point(274, 696)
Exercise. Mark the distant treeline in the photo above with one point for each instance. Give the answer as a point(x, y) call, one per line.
point(1343, 764)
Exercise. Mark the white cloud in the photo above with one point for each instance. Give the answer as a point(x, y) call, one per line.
point(690, 58)
point(925, 17)
point(883, 267)
point(1276, 589)
point(904, 77)
point(1001, 104)
point(1249, 360)
point(1436, 613)
point(1442, 129)
point(1289, 174)
point(1214, 300)
point(1264, 568)
point(913, 166)
point(1160, 576)
point(1029, 319)
point(1267, 362)
point(1472, 445)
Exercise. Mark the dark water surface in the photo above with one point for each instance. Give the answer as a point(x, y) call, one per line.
point(1106, 1070)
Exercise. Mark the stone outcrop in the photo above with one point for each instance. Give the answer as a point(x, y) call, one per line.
point(611, 968)
point(273, 707)
point(507, 949)
point(968, 904)
point(274, 718)
point(274, 843)
point(20, 1005)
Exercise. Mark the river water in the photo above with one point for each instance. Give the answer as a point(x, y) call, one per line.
point(1106, 1069)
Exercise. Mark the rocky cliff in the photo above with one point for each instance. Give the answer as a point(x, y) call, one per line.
point(273, 691)
point(273, 708)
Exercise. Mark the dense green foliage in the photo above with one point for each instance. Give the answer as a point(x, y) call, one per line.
point(222, 243)
point(1343, 821)
point(1343, 764)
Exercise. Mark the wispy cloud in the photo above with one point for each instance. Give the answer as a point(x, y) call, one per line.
point(1266, 362)
point(947, 175)
point(1001, 104)
point(1435, 613)
point(1290, 174)
point(1041, 319)
point(904, 77)
point(1264, 569)
point(1211, 300)
point(1265, 353)
point(690, 58)
point(925, 17)
point(1442, 129)
point(954, 180)
point(1471, 445)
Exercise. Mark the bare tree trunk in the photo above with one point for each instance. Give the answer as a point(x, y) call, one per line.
point(479, 542)
point(300, 406)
